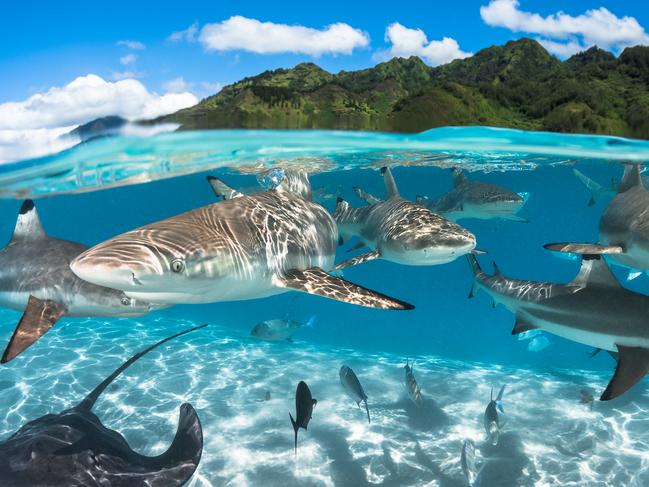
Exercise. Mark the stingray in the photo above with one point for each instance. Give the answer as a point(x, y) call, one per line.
point(73, 448)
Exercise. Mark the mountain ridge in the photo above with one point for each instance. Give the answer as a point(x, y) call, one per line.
point(515, 85)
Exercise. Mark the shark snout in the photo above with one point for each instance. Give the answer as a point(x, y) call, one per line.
point(123, 267)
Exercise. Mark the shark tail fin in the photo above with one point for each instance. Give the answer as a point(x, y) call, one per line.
point(499, 399)
point(187, 446)
point(346, 216)
point(632, 177)
point(310, 322)
point(91, 398)
point(459, 176)
point(596, 190)
point(28, 225)
point(370, 199)
point(295, 428)
point(391, 190)
point(476, 270)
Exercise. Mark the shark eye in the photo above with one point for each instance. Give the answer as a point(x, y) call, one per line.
point(125, 300)
point(177, 265)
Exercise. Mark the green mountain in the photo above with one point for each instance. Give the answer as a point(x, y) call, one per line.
point(517, 85)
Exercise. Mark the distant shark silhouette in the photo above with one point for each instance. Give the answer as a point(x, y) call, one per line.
point(73, 448)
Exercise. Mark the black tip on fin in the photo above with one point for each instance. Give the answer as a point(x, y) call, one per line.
point(27, 206)
point(211, 178)
point(339, 199)
point(383, 169)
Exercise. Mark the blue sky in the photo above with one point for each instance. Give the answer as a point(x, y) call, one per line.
point(65, 63)
point(50, 43)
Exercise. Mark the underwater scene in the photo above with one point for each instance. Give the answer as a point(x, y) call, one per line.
point(460, 307)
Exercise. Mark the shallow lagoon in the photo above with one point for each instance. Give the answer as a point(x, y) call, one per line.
point(461, 347)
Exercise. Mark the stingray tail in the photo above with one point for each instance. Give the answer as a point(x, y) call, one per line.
point(91, 398)
point(295, 428)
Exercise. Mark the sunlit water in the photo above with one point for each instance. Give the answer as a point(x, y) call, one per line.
point(461, 348)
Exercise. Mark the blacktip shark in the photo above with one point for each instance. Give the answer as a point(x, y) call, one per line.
point(35, 277)
point(304, 404)
point(469, 199)
point(74, 448)
point(623, 228)
point(491, 420)
point(592, 309)
point(353, 388)
point(245, 247)
point(476, 199)
point(401, 231)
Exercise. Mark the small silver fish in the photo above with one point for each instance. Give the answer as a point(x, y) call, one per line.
point(279, 329)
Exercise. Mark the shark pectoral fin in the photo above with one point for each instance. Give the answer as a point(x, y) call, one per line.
point(223, 190)
point(39, 316)
point(187, 447)
point(522, 326)
point(478, 252)
point(632, 366)
point(317, 281)
point(584, 248)
point(359, 259)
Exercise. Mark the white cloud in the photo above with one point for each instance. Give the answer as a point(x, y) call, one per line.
point(407, 42)
point(33, 127)
point(241, 33)
point(176, 85)
point(136, 45)
point(128, 59)
point(562, 33)
point(188, 35)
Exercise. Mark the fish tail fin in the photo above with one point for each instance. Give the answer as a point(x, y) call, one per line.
point(91, 398)
point(476, 270)
point(295, 428)
point(596, 190)
point(346, 216)
point(499, 399)
point(310, 322)
point(367, 409)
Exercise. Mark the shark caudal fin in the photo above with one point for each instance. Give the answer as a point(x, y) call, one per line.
point(28, 225)
point(310, 322)
point(370, 199)
point(89, 401)
point(348, 219)
point(632, 366)
point(597, 191)
point(295, 428)
point(391, 190)
point(632, 177)
point(476, 270)
point(222, 190)
point(317, 281)
point(499, 399)
point(459, 177)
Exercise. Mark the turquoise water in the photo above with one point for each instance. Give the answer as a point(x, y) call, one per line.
point(461, 348)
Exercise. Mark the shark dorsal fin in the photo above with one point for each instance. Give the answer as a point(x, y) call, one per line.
point(632, 177)
point(391, 190)
point(28, 225)
point(458, 177)
point(594, 271)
